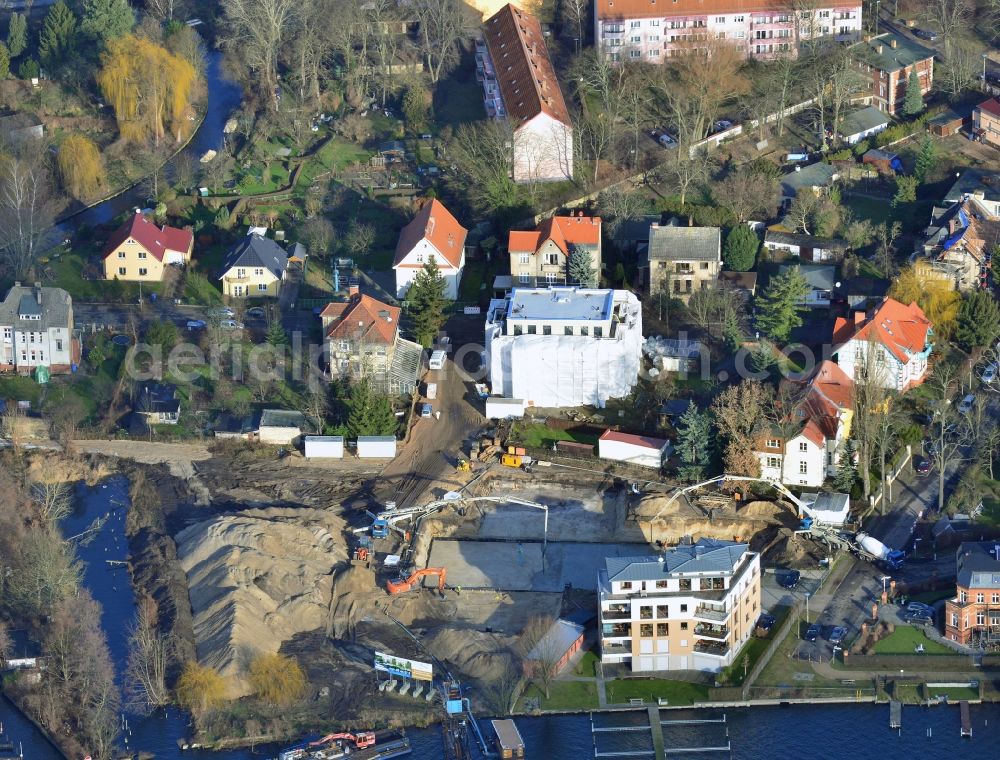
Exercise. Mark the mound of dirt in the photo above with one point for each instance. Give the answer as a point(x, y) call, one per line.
point(478, 655)
point(255, 579)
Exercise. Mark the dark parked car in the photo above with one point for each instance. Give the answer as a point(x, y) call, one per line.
point(790, 579)
point(925, 34)
point(812, 633)
point(764, 624)
point(921, 465)
point(837, 634)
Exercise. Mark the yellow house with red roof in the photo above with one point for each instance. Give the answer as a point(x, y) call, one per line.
point(139, 251)
point(541, 257)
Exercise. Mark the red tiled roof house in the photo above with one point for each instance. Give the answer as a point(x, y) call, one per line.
point(986, 121)
point(140, 251)
point(433, 233)
point(901, 335)
point(541, 257)
point(520, 85)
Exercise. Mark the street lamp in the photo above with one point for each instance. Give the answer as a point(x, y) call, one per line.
point(877, 6)
point(807, 608)
point(984, 69)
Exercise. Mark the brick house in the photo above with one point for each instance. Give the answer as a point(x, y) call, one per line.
point(888, 60)
point(973, 615)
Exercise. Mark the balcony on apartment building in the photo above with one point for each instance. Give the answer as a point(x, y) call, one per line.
point(711, 612)
point(772, 23)
point(616, 630)
point(716, 648)
point(617, 612)
point(494, 106)
point(719, 632)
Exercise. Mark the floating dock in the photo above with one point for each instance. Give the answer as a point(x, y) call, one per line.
point(508, 739)
point(963, 708)
point(660, 750)
point(895, 714)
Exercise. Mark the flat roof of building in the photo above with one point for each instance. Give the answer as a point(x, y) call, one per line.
point(570, 304)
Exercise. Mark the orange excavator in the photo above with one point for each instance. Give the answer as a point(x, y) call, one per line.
point(360, 740)
point(403, 585)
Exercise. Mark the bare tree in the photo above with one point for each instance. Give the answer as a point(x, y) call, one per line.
point(443, 24)
point(483, 156)
point(869, 396)
point(889, 420)
point(573, 14)
point(313, 44)
point(960, 67)
point(618, 204)
point(256, 30)
point(785, 416)
point(747, 194)
point(26, 209)
point(359, 238)
point(886, 234)
point(148, 658)
point(739, 413)
point(54, 501)
point(540, 652)
point(6, 643)
point(687, 174)
point(12, 426)
point(599, 129)
point(505, 688)
point(949, 433)
point(800, 213)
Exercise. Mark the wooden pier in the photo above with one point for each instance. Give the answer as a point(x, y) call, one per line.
point(895, 714)
point(963, 708)
point(655, 726)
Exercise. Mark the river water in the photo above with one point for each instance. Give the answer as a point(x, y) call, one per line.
point(859, 732)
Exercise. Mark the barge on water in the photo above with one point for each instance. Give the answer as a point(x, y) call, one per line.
point(362, 745)
point(508, 739)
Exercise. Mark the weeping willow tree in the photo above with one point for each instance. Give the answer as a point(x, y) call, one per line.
point(80, 166)
point(149, 87)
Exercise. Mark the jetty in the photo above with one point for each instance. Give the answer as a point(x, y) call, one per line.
point(963, 708)
point(653, 725)
point(895, 714)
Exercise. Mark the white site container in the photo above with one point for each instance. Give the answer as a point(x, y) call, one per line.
point(376, 446)
point(324, 447)
point(432, 391)
point(498, 408)
point(437, 360)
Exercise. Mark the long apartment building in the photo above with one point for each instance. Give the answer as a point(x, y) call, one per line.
point(654, 30)
point(690, 608)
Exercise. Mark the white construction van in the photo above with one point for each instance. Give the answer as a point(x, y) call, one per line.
point(437, 360)
point(432, 391)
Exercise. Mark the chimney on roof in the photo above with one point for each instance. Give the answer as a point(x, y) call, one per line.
point(979, 195)
point(893, 42)
point(353, 290)
point(690, 221)
point(859, 317)
point(880, 48)
point(38, 293)
point(698, 549)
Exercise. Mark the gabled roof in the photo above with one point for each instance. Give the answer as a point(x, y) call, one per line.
point(903, 330)
point(818, 276)
point(155, 240)
point(814, 175)
point(828, 391)
point(642, 441)
point(612, 9)
point(978, 565)
point(363, 318)
point(991, 106)
point(256, 251)
point(158, 398)
point(985, 181)
point(905, 53)
point(803, 241)
point(435, 224)
point(524, 72)
point(684, 243)
point(706, 556)
point(564, 231)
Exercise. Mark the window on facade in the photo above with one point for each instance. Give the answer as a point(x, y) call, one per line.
point(143, 271)
point(738, 19)
point(551, 277)
point(685, 585)
point(684, 626)
point(720, 19)
point(635, 54)
point(996, 599)
point(803, 446)
point(626, 585)
point(654, 53)
point(7, 333)
point(803, 468)
point(636, 39)
point(980, 618)
point(142, 254)
point(524, 258)
point(962, 596)
point(824, 14)
point(636, 24)
point(58, 344)
point(567, 330)
point(954, 619)
point(646, 629)
point(773, 443)
point(121, 254)
point(524, 277)
point(517, 329)
point(645, 612)
point(262, 287)
point(584, 330)
point(980, 598)
point(121, 271)
point(662, 629)
point(773, 462)
point(531, 329)
point(258, 272)
point(546, 329)
point(662, 610)
point(655, 22)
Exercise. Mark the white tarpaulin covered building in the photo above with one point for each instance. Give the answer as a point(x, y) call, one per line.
point(829, 508)
point(564, 346)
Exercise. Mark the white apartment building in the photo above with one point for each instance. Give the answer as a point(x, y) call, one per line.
point(36, 330)
point(643, 30)
point(690, 608)
point(564, 346)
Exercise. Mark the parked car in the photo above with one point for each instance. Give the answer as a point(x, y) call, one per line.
point(666, 140)
point(930, 446)
point(919, 618)
point(426, 410)
point(230, 324)
point(925, 34)
point(919, 607)
point(921, 465)
point(989, 373)
point(966, 406)
point(764, 624)
point(812, 632)
point(223, 312)
point(195, 324)
point(722, 125)
point(256, 312)
point(837, 634)
point(789, 579)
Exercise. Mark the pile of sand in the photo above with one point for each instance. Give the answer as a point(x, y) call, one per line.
point(475, 654)
point(255, 579)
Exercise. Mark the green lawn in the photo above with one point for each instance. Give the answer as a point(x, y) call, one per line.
point(875, 210)
point(67, 272)
point(954, 694)
point(587, 664)
point(475, 274)
point(458, 101)
point(540, 436)
point(17, 388)
point(334, 155)
point(199, 289)
point(675, 692)
point(564, 695)
point(905, 639)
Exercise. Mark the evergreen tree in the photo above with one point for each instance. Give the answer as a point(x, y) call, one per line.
point(427, 300)
point(906, 190)
point(846, 475)
point(779, 307)
point(162, 333)
point(4, 61)
point(620, 274)
point(17, 34)
point(913, 102)
point(740, 250)
point(368, 412)
point(978, 322)
point(581, 269)
point(926, 159)
point(58, 35)
point(105, 20)
point(693, 443)
point(276, 335)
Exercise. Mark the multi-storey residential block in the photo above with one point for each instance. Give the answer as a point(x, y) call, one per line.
point(683, 259)
point(542, 256)
point(888, 59)
point(690, 608)
point(520, 85)
point(901, 337)
point(644, 30)
point(36, 330)
point(973, 615)
point(561, 346)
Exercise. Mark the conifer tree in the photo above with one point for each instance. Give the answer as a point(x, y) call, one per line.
point(427, 301)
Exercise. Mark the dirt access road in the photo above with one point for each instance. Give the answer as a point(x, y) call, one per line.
point(427, 460)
